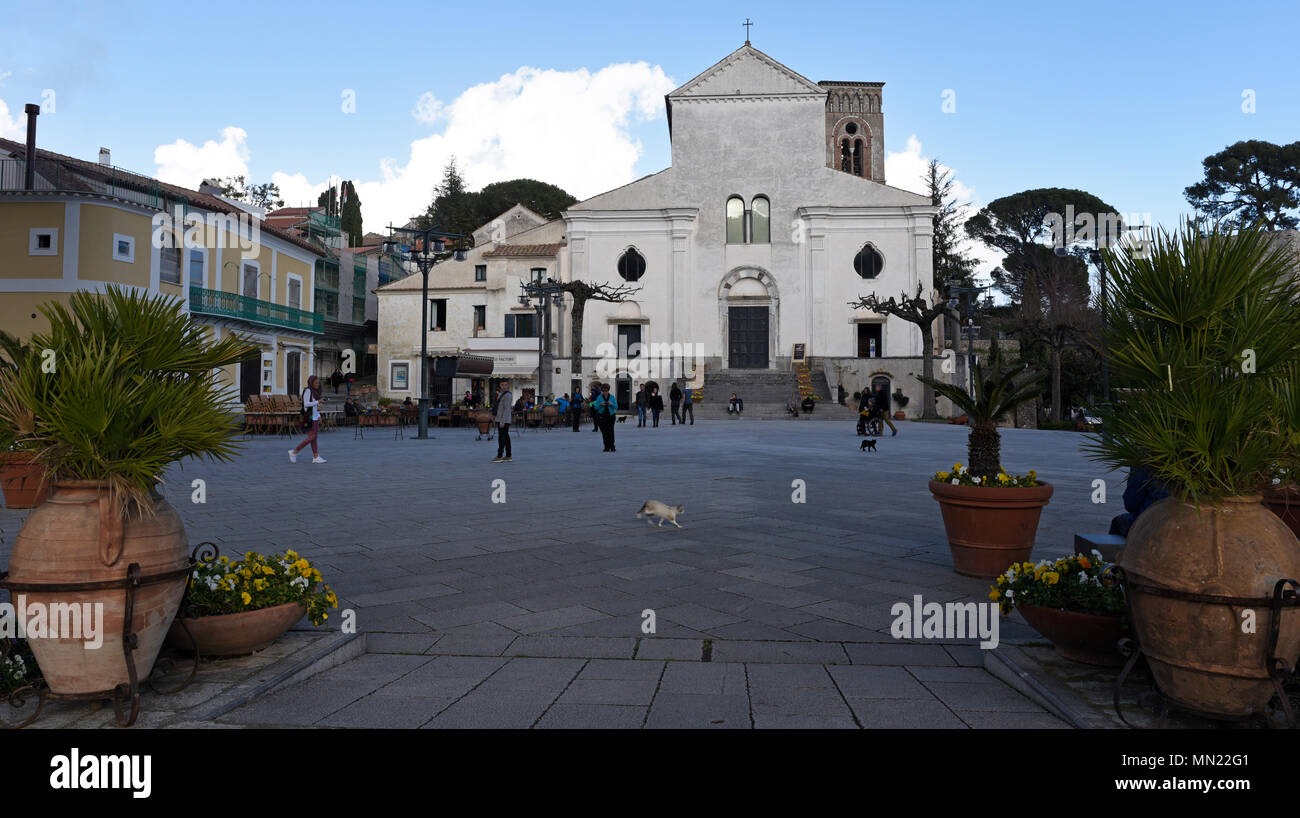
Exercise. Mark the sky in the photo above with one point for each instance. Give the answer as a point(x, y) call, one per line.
point(1122, 100)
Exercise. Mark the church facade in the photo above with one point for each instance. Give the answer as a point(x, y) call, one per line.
point(773, 216)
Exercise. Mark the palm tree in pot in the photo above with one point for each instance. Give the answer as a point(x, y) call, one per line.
point(990, 516)
point(132, 387)
point(21, 479)
point(1204, 337)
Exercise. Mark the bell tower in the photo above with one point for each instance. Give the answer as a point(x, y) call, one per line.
point(855, 128)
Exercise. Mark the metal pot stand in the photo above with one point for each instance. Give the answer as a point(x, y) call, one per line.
point(1285, 595)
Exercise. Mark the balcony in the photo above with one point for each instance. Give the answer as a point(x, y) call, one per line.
point(234, 305)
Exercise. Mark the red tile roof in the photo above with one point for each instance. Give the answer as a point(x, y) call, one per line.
point(525, 250)
point(99, 172)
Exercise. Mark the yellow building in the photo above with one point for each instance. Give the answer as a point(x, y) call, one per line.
point(82, 225)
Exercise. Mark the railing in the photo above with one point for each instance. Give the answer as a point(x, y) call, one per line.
point(59, 177)
point(234, 305)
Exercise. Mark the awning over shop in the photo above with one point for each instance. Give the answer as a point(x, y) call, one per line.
point(462, 365)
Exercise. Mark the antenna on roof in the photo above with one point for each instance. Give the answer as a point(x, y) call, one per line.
point(747, 25)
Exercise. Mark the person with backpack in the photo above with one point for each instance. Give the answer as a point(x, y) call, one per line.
point(501, 415)
point(604, 407)
point(311, 420)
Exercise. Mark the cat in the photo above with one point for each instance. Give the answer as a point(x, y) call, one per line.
point(868, 444)
point(654, 508)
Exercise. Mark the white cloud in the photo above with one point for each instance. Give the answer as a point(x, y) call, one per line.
point(187, 165)
point(568, 128)
point(11, 127)
point(908, 169)
point(6, 75)
point(297, 191)
point(429, 109)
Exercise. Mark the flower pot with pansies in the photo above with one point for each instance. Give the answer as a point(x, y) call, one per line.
point(236, 607)
point(989, 515)
point(1071, 602)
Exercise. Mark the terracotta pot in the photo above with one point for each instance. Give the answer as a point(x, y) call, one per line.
point(1198, 654)
point(23, 481)
point(900, 415)
point(235, 634)
point(1080, 637)
point(1284, 501)
point(76, 536)
point(989, 528)
point(484, 421)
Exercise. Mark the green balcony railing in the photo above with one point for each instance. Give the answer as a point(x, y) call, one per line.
point(234, 305)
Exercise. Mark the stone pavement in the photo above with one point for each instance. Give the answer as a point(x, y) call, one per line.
point(768, 612)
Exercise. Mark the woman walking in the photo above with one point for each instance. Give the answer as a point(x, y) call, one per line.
point(311, 411)
point(605, 406)
point(656, 404)
point(501, 414)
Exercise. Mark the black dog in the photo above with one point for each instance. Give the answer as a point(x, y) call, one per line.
point(868, 444)
point(622, 418)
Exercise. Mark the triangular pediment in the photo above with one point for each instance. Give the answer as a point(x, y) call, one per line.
point(747, 72)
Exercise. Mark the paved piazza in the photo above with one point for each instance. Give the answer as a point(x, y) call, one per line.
point(769, 613)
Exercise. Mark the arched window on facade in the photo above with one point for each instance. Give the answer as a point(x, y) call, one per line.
point(761, 221)
point(868, 262)
point(735, 220)
point(846, 156)
point(631, 265)
point(857, 157)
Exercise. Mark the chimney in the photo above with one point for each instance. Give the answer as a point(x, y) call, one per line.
point(33, 111)
point(210, 187)
point(105, 157)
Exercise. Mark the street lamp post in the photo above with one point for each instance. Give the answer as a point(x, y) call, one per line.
point(541, 295)
point(955, 292)
point(431, 250)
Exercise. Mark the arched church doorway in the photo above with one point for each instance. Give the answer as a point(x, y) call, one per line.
point(749, 309)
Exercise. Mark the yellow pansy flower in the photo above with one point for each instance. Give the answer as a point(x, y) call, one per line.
point(247, 597)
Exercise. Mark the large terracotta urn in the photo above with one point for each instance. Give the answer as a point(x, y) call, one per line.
point(989, 528)
point(22, 480)
point(1208, 656)
point(77, 536)
point(1284, 501)
point(550, 414)
point(484, 420)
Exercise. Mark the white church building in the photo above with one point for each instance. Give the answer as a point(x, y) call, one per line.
point(772, 218)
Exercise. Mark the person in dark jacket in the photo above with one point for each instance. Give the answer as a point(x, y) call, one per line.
point(336, 379)
point(575, 411)
point(688, 406)
point(675, 402)
point(591, 401)
point(1142, 491)
point(640, 404)
point(656, 403)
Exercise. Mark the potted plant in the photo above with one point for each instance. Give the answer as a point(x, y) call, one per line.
point(990, 516)
point(900, 400)
point(21, 479)
point(1203, 332)
point(133, 389)
point(237, 607)
point(1070, 603)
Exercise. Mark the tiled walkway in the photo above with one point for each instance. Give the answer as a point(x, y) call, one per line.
point(768, 612)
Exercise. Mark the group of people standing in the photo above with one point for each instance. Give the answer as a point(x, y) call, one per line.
point(649, 401)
